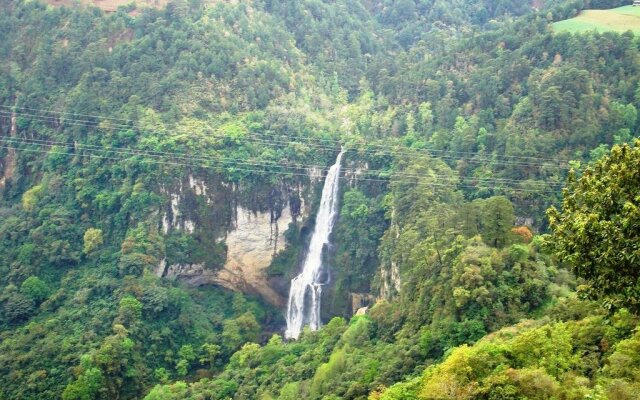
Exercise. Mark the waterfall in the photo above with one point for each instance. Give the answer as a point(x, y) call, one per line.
point(306, 289)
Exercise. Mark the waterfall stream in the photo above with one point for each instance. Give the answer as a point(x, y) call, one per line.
point(306, 289)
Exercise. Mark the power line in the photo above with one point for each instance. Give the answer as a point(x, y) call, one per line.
point(319, 143)
point(64, 113)
point(189, 159)
point(163, 161)
point(270, 143)
point(418, 184)
point(253, 139)
point(132, 122)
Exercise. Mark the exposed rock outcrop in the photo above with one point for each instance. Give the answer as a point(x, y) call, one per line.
point(252, 238)
point(362, 311)
point(389, 280)
point(250, 250)
point(360, 301)
point(390, 272)
point(9, 167)
point(251, 247)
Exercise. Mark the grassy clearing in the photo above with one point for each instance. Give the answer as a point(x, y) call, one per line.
point(620, 19)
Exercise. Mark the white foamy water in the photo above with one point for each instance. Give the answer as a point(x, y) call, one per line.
point(306, 289)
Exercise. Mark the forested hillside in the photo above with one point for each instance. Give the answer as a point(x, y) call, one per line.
point(160, 169)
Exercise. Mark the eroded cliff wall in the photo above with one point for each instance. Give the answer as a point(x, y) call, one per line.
point(252, 234)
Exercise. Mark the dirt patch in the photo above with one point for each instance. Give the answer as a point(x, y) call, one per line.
point(123, 36)
point(109, 5)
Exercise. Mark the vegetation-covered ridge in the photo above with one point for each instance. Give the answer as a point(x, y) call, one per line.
point(130, 140)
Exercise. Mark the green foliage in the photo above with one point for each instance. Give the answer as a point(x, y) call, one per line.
point(161, 375)
point(327, 374)
point(187, 355)
point(130, 310)
point(497, 221)
point(400, 391)
point(35, 288)
point(358, 234)
point(18, 307)
point(237, 331)
point(155, 299)
point(361, 226)
point(536, 360)
point(141, 250)
point(174, 392)
point(182, 367)
point(86, 387)
point(209, 354)
point(31, 197)
point(596, 233)
point(549, 348)
point(93, 239)
point(463, 287)
point(624, 362)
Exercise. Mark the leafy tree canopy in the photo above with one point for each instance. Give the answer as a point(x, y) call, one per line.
point(597, 232)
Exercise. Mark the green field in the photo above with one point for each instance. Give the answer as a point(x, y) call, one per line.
point(620, 19)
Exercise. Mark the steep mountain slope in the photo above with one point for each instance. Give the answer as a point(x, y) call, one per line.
point(149, 161)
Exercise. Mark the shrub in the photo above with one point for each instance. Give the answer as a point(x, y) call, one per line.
point(92, 240)
point(18, 307)
point(34, 288)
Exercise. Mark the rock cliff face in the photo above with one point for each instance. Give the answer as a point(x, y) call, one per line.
point(389, 271)
point(389, 280)
point(251, 246)
point(252, 238)
point(8, 166)
point(360, 302)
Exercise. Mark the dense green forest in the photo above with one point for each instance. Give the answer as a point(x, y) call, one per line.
point(489, 211)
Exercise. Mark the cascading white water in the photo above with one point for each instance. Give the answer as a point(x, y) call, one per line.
point(304, 309)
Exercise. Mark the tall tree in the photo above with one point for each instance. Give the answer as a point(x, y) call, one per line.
point(598, 230)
